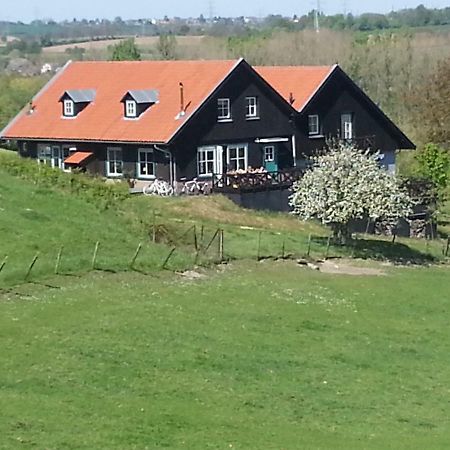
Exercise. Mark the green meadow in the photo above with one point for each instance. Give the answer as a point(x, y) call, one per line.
point(247, 354)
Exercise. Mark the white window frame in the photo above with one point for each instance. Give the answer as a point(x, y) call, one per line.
point(269, 153)
point(313, 124)
point(130, 109)
point(238, 158)
point(44, 154)
point(251, 108)
point(347, 126)
point(69, 108)
point(223, 110)
point(202, 158)
point(148, 163)
point(117, 163)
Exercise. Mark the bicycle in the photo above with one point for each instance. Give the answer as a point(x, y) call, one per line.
point(195, 187)
point(158, 187)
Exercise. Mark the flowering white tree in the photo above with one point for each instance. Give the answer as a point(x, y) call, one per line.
point(344, 184)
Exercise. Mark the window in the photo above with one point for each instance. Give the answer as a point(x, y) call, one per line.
point(313, 124)
point(269, 153)
point(206, 161)
point(251, 108)
point(146, 164)
point(69, 109)
point(114, 163)
point(223, 109)
point(347, 128)
point(237, 157)
point(130, 108)
point(44, 154)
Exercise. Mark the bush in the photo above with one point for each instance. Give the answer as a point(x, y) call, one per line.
point(92, 189)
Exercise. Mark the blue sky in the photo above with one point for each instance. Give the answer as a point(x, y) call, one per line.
point(27, 10)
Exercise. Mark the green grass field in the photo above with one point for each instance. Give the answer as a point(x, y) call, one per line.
point(39, 217)
point(256, 355)
point(247, 355)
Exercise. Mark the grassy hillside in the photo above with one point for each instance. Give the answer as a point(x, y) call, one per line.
point(42, 209)
point(36, 219)
point(256, 356)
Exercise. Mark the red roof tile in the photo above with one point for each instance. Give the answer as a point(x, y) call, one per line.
point(103, 119)
point(302, 81)
point(78, 157)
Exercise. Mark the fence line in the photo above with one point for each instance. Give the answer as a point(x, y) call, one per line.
point(238, 247)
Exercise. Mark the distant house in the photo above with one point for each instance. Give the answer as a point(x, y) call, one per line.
point(216, 121)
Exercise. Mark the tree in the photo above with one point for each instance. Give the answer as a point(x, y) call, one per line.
point(346, 184)
point(434, 163)
point(166, 46)
point(431, 101)
point(126, 51)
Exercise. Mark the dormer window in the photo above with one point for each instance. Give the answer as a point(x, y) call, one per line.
point(136, 102)
point(69, 108)
point(130, 108)
point(75, 100)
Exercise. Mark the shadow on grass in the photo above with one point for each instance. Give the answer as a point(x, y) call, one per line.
point(382, 251)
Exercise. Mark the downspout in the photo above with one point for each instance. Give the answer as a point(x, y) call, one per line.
point(171, 163)
point(294, 150)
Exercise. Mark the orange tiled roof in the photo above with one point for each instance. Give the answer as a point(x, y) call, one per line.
point(302, 81)
point(103, 119)
point(78, 157)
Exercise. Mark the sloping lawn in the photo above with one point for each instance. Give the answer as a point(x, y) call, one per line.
point(36, 219)
point(253, 356)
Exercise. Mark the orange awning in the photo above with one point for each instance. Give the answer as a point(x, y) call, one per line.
point(78, 158)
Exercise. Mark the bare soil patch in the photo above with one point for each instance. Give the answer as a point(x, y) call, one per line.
point(344, 267)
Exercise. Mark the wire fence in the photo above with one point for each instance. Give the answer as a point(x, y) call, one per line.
point(202, 245)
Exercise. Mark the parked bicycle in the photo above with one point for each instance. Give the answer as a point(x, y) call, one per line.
point(158, 187)
point(195, 187)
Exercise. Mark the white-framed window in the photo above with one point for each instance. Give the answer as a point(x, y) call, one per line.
point(130, 108)
point(313, 124)
point(206, 161)
point(69, 108)
point(114, 162)
point(146, 163)
point(237, 157)
point(251, 108)
point(269, 153)
point(44, 154)
point(347, 127)
point(223, 109)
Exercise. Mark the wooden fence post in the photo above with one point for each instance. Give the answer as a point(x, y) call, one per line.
point(328, 247)
point(195, 238)
point(3, 263)
point(258, 250)
point(167, 258)
point(202, 231)
point(31, 266)
point(58, 259)
point(221, 245)
point(136, 253)
point(308, 252)
point(154, 227)
point(94, 256)
point(283, 248)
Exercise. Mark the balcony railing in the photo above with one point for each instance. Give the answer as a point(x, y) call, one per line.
point(256, 181)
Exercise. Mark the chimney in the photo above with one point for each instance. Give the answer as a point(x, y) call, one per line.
point(182, 107)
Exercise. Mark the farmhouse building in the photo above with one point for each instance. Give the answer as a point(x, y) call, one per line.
point(225, 122)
